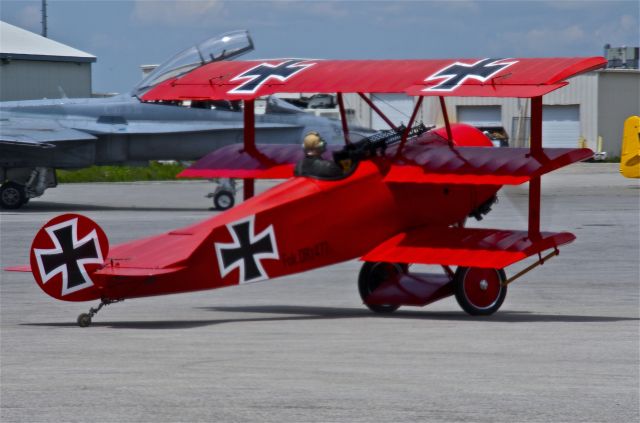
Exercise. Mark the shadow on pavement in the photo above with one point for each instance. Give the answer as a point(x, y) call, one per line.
point(324, 313)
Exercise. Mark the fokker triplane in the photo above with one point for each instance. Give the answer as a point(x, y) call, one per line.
point(403, 199)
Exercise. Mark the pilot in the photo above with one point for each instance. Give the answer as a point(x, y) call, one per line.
point(313, 164)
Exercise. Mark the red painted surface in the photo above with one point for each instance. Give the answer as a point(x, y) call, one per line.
point(470, 247)
point(526, 77)
point(44, 242)
point(481, 287)
point(415, 289)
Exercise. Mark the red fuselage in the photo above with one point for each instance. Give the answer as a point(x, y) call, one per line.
point(296, 226)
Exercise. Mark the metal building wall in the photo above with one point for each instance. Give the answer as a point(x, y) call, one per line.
point(618, 98)
point(31, 79)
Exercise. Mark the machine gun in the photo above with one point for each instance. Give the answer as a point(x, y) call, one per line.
point(375, 144)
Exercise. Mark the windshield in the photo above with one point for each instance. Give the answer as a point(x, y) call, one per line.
point(223, 47)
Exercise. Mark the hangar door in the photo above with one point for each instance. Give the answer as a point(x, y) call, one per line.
point(480, 115)
point(397, 107)
point(561, 126)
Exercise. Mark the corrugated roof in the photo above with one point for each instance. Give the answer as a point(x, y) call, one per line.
point(17, 43)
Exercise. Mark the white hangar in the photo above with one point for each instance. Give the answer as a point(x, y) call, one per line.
point(35, 67)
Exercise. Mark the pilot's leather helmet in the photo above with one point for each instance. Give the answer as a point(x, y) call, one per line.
point(313, 144)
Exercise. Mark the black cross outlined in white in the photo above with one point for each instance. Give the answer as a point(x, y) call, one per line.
point(260, 74)
point(457, 73)
point(69, 256)
point(247, 250)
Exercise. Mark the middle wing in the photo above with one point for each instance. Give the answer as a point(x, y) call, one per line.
point(437, 163)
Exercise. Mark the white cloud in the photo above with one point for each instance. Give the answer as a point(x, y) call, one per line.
point(543, 41)
point(29, 18)
point(177, 12)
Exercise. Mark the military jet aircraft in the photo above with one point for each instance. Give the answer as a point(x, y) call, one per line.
point(39, 136)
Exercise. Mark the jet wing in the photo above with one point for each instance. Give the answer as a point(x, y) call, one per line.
point(38, 133)
point(486, 248)
point(486, 77)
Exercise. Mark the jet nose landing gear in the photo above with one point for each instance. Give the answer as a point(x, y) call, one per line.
point(224, 195)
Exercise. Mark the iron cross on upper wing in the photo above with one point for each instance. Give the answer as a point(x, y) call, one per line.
point(257, 76)
point(457, 73)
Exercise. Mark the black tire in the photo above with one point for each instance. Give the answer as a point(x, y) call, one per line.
point(479, 291)
point(372, 274)
point(12, 196)
point(223, 200)
point(84, 320)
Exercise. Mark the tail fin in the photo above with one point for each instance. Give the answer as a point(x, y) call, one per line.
point(630, 155)
point(65, 253)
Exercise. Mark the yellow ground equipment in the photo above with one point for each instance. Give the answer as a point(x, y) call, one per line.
point(630, 155)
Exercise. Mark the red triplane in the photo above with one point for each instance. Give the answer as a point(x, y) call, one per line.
point(404, 199)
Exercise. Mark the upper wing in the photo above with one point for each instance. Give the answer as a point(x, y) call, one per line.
point(489, 77)
point(38, 133)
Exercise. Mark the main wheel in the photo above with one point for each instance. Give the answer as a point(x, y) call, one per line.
point(84, 320)
point(372, 275)
point(479, 291)
point(223, 200)
point(12, 195)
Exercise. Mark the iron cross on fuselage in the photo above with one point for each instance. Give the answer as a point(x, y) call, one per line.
point(247, 251)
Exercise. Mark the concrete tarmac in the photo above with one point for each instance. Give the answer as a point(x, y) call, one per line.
point(563, 348)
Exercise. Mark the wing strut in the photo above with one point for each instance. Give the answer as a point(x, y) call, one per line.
point(378, 111)
point(445, 116)
point(405, 133)
point(343, 118)
point(249, 143)
point(535, 147)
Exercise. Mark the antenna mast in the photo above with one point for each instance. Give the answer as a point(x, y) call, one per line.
point(44, 18)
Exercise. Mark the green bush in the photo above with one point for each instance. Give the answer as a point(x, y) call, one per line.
point(153, 172)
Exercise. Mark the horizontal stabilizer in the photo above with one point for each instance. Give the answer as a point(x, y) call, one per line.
point(487, 248)
point(135, 271)
point(23, 268)
point(439, 163)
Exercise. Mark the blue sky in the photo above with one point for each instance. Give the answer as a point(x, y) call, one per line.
point(125, 34)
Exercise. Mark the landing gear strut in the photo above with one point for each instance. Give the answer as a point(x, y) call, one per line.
point(84, 319)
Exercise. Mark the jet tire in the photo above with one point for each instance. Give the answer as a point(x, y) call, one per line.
point(12, 195)
point(479, 291)
point(223, 200)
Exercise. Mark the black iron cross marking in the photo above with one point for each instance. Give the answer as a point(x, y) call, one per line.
point(259, 75)
point(69, 256)
point(246, 251)
point(455, 74)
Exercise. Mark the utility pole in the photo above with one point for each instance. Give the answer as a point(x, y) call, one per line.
point(44, 18)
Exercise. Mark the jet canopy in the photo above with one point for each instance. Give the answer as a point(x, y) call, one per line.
point(222, 47)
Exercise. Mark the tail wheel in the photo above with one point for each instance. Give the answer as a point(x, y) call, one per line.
point(372, 275)
point(479, 291)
